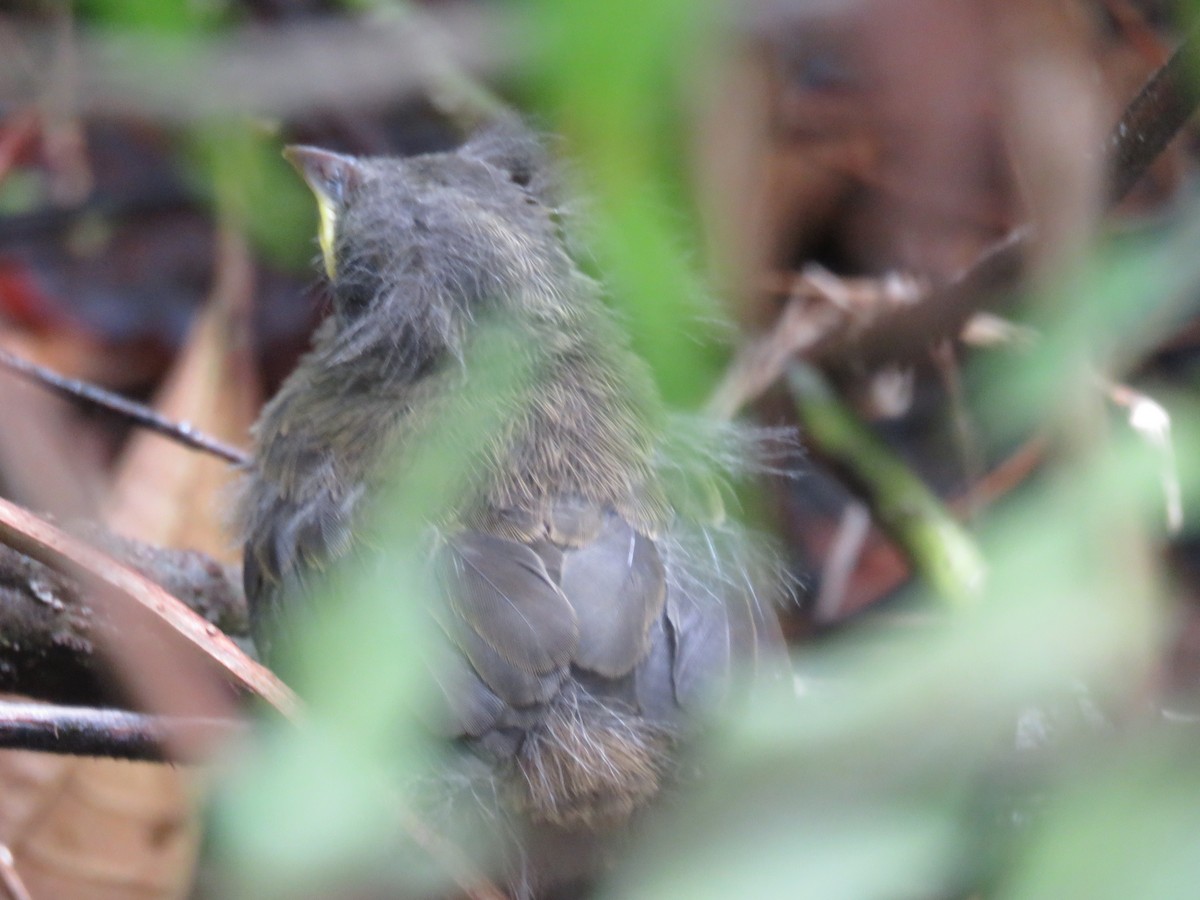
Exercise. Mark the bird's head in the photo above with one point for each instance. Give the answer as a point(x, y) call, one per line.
point(435, 241)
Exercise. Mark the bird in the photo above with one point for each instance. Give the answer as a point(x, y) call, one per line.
point(596, 593)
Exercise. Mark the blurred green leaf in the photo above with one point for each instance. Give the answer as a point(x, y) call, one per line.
point(607, 70)
point(890, 774)
point(179, 17)
point(938, 548)
point(239, 166)
point(361, 663)
point(1125, 827)
point(304, 809)
point(1100, 318)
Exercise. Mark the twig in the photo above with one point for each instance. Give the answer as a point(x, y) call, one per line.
point(1011, 472)
point(360, 63)
point(452, 90)
point(1153, 119)
point(820, 304)
point(887, 332)
point(53, 634)
point(40, 540)
point(1148, 124)
point(86, 731)
point(71, 628)
point(905, 333)
point(841, 560)
point(1151, 421)
point(970, 451)
point(996, 484)
point(86, 394)
point(64, 144)
point(14, 885)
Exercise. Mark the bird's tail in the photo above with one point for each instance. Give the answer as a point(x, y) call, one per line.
point(590, 763)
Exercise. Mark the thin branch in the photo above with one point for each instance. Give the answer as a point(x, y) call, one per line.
point(971, 455)
point(885, 328)
point(53, 634)
point(367, 61)
point(1153, 119)
point(1151, 421)
point(44, 612)
point(10, 877)
point(820, 304)
point(904, 333)
point(453, 860)
point(1005, 477)
point(42, 541)
point(842, 560)
point(86, 394)
point(85, 731)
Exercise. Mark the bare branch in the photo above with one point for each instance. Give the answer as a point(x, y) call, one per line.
point(1153, 119)
point(365, 62)
point(84, 731)
point(52, 634)
point(44, 542)
point(893, 332)
point(85, 394)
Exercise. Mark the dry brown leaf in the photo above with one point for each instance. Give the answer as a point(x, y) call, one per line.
point(49, 462)
point(164, 492)
point(99, 829)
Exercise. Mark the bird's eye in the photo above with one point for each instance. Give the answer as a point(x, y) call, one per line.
point(521, 175)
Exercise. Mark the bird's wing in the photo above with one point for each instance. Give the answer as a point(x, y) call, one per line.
point(597, 601)
point(290, 542)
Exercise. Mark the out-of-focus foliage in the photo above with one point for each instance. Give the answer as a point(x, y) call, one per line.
point(992, 750)
point(163, 17)
point(239, 166)
point(361, 664)
point(601, 78)
point(1005, 750)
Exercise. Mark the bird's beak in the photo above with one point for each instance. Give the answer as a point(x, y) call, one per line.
point(331, 176)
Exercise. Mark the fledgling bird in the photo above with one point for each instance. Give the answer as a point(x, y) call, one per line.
point(589, 609)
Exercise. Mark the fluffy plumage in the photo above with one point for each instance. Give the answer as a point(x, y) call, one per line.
point(589, 613)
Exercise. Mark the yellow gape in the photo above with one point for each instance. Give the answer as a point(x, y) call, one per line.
point(327, 175)
point(328, 232)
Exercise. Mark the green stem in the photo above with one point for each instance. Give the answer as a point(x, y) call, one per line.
point(937, 546)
